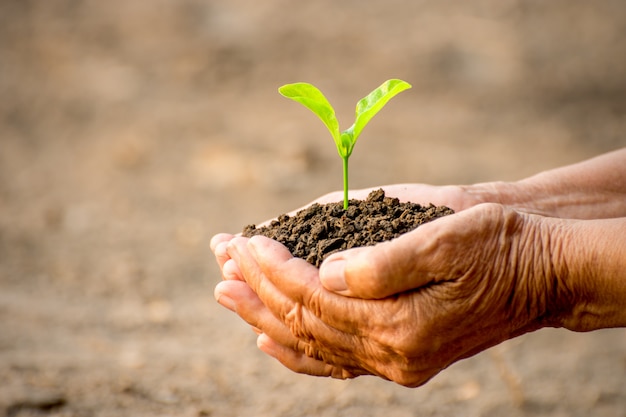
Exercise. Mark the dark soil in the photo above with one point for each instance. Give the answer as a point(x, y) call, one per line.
point(322, 229)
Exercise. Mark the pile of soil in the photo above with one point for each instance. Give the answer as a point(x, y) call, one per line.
point(322, 229)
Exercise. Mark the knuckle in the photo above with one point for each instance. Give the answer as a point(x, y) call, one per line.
point(410, 380)
point(409, 375)
point(311, 352)
point(313, 302)
point(298, 325)
point(293, 320)
point(341, 373)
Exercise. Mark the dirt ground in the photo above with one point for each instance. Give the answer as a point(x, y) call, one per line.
point(130, 132)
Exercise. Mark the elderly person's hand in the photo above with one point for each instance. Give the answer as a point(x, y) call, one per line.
point(459, 285)
point(455, 197)
point(408, 308)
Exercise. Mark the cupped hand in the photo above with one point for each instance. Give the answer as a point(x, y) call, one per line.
point(446, 291)
point(456, 197)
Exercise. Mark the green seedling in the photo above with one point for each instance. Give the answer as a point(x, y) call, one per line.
point(313, 99)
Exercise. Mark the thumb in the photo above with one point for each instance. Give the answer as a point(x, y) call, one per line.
point(374, 272)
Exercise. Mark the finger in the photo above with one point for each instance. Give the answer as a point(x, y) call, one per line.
point(375, 272)
point(257, 278)
point(238, 297)
point(329, 327)
point(230, 271)
point(246, 303)
point(300, 362)
point(218, 245)
point(296, 306)
point(290, 287)
point(225, 291)
point(347, 332)
point(374, 332)
point(219, 238)
point(411, 261)
point(283, 308)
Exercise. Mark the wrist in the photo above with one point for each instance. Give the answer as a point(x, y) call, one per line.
point(548, 196)
point(588, 283)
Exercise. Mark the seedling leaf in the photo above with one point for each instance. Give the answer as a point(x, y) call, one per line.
point(368, 106)
point(312, 98)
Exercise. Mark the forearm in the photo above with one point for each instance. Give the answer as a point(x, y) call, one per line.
point(590, 272)
point(595, 188)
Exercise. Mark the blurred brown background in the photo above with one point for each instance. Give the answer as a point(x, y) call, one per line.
point(130, 132)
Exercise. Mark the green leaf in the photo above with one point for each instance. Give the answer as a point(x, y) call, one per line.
point(368, 106)
point(313, 99)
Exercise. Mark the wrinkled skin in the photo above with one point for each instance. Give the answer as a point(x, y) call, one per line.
point(406, 309)
point(402, 310)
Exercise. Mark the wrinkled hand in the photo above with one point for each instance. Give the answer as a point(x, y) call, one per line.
point(446, 291)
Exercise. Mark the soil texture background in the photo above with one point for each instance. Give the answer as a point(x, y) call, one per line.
point(130, 132)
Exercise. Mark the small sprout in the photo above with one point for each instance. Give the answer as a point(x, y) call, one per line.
point(313, 99)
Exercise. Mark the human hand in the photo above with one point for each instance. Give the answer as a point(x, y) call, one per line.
point(456, 197)
point(459, 285)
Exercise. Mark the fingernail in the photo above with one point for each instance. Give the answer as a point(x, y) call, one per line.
point(332, 275)
point(227, 302)
point(265, 344)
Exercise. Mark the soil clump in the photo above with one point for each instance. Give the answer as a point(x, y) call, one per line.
point(319, 230)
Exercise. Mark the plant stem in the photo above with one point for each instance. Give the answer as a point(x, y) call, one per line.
point(345, 182)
